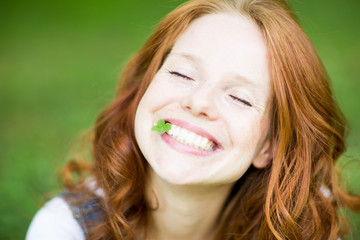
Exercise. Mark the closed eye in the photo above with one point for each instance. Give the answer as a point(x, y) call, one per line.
point(241, 101)
point(180, 75)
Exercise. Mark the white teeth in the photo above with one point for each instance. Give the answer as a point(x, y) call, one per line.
point(197, 140)
point(182, 135)
point(203, 143)
point(174, 130)
point(190, 138)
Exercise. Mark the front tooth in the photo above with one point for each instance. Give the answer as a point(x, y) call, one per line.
point(203, 143)
point(172, 131)
point(182, 135)
point(197, 141)
point(190, 139)
point(175, 130)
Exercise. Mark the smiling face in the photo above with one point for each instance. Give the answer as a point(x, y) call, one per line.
point(214, 89)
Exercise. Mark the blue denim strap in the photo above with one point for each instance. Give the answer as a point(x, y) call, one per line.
point(88, 212)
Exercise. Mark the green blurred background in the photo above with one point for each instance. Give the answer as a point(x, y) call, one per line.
point(59, 64)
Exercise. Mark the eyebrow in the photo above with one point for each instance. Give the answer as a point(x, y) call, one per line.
point(187, 56)
point(196, 59)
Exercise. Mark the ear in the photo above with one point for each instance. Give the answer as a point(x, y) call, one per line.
point(264, 156)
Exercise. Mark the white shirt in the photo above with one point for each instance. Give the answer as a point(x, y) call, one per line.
point(55, 221)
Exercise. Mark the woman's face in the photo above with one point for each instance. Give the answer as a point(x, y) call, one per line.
point(214, 89)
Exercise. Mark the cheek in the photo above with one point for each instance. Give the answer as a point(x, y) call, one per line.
point(160, 92)
point(246, 130)
point(158, 95)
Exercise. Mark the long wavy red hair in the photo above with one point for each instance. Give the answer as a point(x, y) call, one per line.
point(282, 201)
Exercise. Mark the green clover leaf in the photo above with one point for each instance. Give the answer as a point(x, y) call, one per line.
point(161, 127)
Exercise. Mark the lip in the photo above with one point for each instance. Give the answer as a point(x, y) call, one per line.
point(195, 129)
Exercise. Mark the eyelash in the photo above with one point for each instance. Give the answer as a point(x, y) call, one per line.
point(180, 75)
point(241, 100)
point(233, 97)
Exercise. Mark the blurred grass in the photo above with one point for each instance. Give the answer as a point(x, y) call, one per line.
point(59, 63)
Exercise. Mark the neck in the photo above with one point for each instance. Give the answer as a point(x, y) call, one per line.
point(184, 212)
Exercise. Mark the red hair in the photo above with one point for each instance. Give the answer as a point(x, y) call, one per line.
point(282, 201)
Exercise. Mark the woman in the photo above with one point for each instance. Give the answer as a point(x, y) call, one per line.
point(254, 136)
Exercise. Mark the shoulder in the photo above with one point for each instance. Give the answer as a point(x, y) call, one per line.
point(55, 221)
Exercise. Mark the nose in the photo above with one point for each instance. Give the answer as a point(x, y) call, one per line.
point(200, 101)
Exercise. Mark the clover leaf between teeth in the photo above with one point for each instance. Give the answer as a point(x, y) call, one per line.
point(161, 127)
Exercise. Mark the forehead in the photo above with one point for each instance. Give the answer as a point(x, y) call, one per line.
point(225, 45)
point(232, 28)
point(227, 39)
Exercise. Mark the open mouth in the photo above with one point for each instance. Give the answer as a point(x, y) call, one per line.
point(196, 139)
point(191, 139)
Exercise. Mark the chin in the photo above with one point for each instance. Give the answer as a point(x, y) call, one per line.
point(178, 175)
